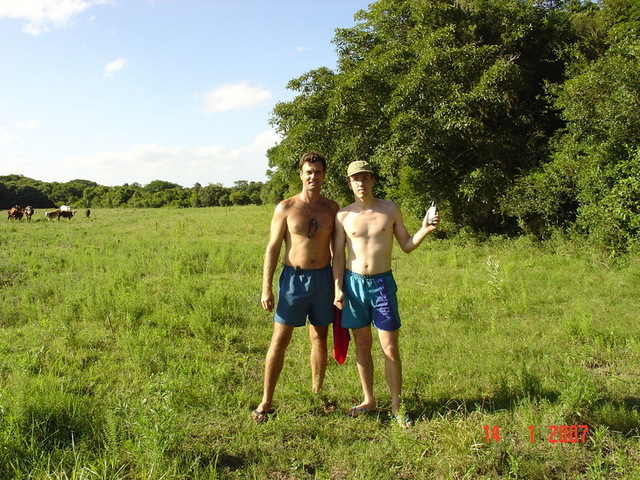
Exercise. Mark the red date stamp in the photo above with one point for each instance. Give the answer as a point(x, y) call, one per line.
point(556, 434)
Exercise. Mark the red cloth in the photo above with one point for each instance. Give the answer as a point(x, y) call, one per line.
point(340, 337)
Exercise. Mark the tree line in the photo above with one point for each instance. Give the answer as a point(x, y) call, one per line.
point(21, 190)
point(514, 115)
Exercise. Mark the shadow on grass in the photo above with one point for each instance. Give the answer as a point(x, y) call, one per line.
point(618, 415)
point(201, 446)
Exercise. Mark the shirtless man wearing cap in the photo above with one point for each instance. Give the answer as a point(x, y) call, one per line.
point(366, 290)
point(305, 223)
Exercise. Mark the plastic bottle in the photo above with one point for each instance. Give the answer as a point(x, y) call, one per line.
point(431, 213)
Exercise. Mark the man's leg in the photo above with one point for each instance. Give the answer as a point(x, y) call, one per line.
point(274, 362)
point(363, 340)
point(392, 366)
point(318, 336)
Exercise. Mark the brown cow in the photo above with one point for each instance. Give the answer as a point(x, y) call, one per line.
point(54, 214)
point(16, 213)
point(66, 214)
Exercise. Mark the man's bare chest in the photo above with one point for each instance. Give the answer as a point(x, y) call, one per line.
point(368, 226)
point(308, 220)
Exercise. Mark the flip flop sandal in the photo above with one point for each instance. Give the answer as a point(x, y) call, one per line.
point(404, 422)
point(354, 412)
point(261, 417)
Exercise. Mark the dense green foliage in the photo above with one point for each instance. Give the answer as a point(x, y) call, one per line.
point(23, 191)
point(133, 344)
point(513, 114)
point(592, 181)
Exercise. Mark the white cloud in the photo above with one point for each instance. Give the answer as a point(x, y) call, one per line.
point(28, 124)
point(266, 140)
point(230, 96)
point(115, 66)
point(302, 49)
point(44, 15)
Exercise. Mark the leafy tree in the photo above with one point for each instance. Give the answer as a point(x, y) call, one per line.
point(239, 197)
point(275, 189)
point(209, 196)
point(194, 197)
point(245, 193)
point(23, 191)
point(31, 195)
point(13, 178)
point(76, 188)
point(445, 98)
point(224, 200)
point(69, 193)
point(5, 197)
point(306, 122)
point(95, 196)
point(595, 167)
point(160, 185)
point(119, 196)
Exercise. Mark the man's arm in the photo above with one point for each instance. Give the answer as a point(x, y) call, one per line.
point(272, 253)
point(338, 262)
point(409, 243)
point(334, 211)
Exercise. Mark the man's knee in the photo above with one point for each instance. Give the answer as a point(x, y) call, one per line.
point(392, 353)
point(281, 337)
point(389, 344)
point(318, 335)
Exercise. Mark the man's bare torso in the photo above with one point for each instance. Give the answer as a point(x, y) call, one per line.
point(369, 236)
point(309, 227)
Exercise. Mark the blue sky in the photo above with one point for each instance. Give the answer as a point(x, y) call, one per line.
point(124, 91)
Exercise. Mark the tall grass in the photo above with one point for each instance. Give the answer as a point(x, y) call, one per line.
point(132, 347)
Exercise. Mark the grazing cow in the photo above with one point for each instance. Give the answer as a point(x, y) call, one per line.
point(87, 212)
point(52, 215)
point(65, 208)
point(66, 214)
point(28, 212)
point(16, 213)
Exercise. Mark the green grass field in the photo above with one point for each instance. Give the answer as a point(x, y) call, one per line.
point(132, 347)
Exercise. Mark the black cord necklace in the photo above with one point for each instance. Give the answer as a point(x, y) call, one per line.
point(313, 223)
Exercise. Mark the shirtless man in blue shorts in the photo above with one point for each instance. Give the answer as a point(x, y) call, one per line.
point(305, 223)
point(366, 290)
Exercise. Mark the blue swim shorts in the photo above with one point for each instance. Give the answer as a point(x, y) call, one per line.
point(305, 293)
point(370, 299)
